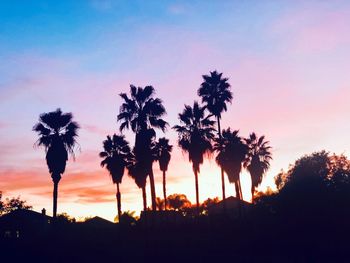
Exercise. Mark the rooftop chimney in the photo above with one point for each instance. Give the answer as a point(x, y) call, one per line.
point(43, 212)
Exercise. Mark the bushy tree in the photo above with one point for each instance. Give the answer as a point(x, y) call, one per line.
point(317, 184)
point(12, 204)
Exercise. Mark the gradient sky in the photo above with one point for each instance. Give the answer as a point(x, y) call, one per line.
point(288, 63)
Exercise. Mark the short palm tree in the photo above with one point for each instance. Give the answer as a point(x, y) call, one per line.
point(163, 155)
point(195, 135)
point(231, 154)
point(141, 112)
point(258, 159)
point(116, 154)
point(142, 159)
point(57, 134)
point(215, 93)
point(144, 156)
point(138, 172)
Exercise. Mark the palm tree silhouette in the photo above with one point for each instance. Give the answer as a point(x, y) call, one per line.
point(117, 156)
point(139, 174)
point(194, 137)
point(57, 134)
point(258, 159)
point(140, 165)
point(231, 153)
point(215, 93)
point(163, 155)
point(142, 112)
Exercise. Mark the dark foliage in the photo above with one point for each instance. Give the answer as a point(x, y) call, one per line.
point(215, 93)
point(11, 204)
point(195, 134)
point(316, 185)
point(116, 156)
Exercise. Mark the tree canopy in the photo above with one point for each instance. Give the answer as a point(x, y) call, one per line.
point(10, 204)
point(316, 184)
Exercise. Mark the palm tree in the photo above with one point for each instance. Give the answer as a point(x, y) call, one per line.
point(258, 159)
point(116, 154)
point(215, 93)
point(231, 154)
point(144, 156)
point(139, 174)
point(57, 134)
point(194, 137)
point(163, 155)
point(141, 112)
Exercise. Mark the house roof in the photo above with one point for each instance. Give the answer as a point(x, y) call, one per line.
point(234, 200)
point(98, 221)
point(22, 213)
point(232, 203)
point(24, 217)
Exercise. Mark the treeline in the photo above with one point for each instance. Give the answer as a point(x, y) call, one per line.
point(199, 135)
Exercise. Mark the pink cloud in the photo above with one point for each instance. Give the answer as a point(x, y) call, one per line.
point(95, 129)
point(316, 29)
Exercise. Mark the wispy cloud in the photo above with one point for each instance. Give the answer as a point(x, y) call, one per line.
point(177, 9)
point(103, 5)
point(316, 29)
point(95, 129)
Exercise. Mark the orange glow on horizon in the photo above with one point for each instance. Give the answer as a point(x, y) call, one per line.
point(90, 193)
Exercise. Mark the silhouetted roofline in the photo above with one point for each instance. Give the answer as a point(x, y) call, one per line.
point(97, 219)
point(25, 212)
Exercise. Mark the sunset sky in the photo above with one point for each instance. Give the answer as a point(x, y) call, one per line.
point(288, 63)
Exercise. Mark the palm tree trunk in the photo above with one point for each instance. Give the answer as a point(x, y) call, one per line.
point(253, 191)
point(153, 190)
point(55, 193)
point(240, 189)
point(119, 203)
point(197, 190)
point(241, 207)
point(222, 171)
point(224, 207)
point(144, 197)
point(164, 189)
point(238, 196)
point(219, 127)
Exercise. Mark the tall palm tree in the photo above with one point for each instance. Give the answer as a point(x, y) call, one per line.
point(231, 154)
point(163, 155)
point(215, 93)
point(117, 155)
point(57, 134)
point(258, 159)
point(194, 137)
point(141, 112)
